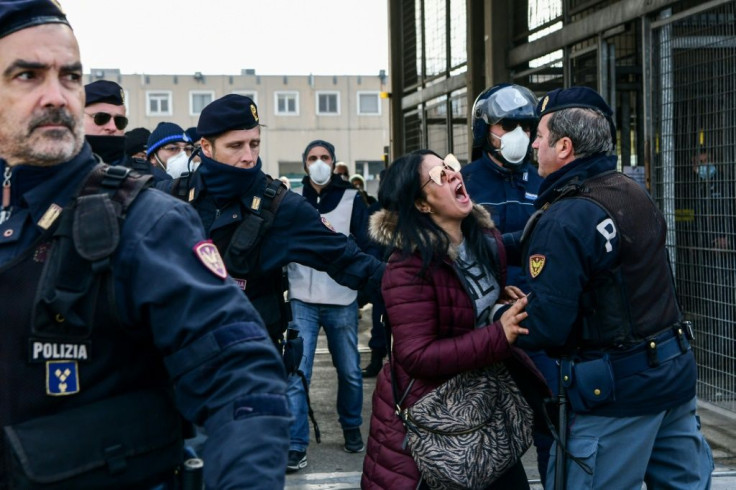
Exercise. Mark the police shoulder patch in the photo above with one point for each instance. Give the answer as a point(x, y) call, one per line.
point(536, 264)
point(327, 223)
point(207, 253)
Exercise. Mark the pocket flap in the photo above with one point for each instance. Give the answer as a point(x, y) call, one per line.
point(100, 435)
point(583, 447)
point(594, 379)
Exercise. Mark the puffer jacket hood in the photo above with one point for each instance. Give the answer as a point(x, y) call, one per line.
point(384, 223)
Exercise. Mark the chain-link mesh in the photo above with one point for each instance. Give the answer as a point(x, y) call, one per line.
point(694, 117)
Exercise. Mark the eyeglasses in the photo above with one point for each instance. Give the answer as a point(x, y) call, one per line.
point(176, 149)
point(510, 125)
point(438, 174)
point(102, 118)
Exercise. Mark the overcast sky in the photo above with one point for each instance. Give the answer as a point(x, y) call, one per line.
point(274, 37)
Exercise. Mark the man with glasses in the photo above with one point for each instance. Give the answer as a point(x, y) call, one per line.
point(105, 121)
point(169, 149)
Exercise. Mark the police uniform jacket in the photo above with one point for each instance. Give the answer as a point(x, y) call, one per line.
point(297, 234)
point(507, 194)
point(194, 325)
point(573, 244)
point(435, 337)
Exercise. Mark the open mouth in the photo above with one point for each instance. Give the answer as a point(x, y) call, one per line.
point(460, 193)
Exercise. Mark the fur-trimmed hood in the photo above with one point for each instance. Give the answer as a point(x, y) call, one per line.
point(383, 225)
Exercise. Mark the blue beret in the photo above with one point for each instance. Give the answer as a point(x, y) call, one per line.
point(583, 97)
point(324, 144)
point(104, 91)
point(165, 132)
point(572, 97)
point(227, 113)
point(21, 14)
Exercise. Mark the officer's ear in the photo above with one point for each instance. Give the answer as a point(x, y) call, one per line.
point(208, 148)
point(565, 149)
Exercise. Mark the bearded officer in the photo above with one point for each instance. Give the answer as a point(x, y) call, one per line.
point(116, 309)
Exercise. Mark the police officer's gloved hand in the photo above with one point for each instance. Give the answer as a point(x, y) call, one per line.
point(293, 351)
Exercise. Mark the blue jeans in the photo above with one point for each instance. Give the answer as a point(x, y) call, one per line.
point(666, 450)
point(341, 327)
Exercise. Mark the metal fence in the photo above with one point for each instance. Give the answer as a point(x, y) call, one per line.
point(693, 75)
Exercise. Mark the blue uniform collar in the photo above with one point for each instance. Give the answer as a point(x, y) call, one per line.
point(225, 182)
point(38, 187)
point(575, 171)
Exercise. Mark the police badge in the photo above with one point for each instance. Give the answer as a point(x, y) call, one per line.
point(536, 264)
point(207, 253)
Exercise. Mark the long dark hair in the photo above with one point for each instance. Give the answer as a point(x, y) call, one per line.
point(400, 188)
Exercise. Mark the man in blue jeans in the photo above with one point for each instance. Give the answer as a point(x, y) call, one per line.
point(317, 300)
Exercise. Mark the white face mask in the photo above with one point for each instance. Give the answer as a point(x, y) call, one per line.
point(514, 145)
point(320, 172)
point(177, 165)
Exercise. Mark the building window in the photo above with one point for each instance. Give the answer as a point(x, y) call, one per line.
point(369, 103)
point(328, 103)
point(287, 103)
point(198, 100)
point(248, 93)
point(158, 103)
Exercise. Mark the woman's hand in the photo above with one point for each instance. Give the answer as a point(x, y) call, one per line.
point(510, 294)
point(512, 318)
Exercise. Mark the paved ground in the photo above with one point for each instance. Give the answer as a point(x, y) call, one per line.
point(331, 468)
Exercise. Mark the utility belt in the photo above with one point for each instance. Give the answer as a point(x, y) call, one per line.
point(591, 383)
point(128, 441)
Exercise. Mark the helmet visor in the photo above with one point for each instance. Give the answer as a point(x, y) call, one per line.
point(512, 102)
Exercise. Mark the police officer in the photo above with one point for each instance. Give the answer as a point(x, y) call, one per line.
point(231, 194)
point(116, 309)
point(603, 299)
point(105, 120)
point(503, 179)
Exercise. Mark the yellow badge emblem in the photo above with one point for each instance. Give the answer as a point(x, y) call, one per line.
point(254, 112)
point(544, 103)
point(536, 264)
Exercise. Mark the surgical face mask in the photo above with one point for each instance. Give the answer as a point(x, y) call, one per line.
point(320, 172)
point(706, 171)
point(514, 145)
point(177, 165)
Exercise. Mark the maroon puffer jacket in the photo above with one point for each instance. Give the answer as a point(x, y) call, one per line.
point(434, 338)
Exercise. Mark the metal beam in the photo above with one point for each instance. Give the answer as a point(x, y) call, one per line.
point(589, 26)
point(443, 87)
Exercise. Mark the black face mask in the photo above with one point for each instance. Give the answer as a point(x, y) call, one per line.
point(109, 148)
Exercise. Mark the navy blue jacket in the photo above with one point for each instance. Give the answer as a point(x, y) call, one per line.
point(572, 251)
point(297, 234)
point(226, 373)
point(508, 195)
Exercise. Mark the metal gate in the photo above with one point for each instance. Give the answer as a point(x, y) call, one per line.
point(692, 100)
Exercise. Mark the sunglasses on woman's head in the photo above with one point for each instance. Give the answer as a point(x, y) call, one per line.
point(438, 174)
point(102, 118)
